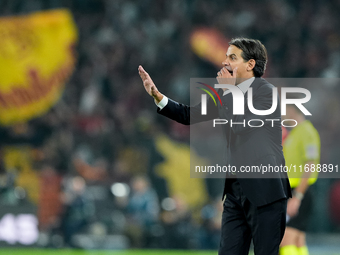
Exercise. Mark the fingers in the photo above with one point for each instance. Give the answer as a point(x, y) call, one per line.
point(142, 73)
point(234, 72)
point(141, 69)
point(224, 73)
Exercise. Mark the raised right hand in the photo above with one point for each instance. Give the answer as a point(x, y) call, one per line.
point(149, 85)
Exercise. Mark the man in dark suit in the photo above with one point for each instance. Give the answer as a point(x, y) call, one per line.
point(254, 208)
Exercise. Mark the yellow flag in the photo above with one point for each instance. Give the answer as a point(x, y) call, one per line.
point(176, 170)
point(36, 59)
point(209, 44)
point(18, 160)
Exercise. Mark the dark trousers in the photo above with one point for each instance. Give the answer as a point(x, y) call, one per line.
point(243, 221)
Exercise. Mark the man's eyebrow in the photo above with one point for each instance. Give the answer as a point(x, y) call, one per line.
point(232, 54)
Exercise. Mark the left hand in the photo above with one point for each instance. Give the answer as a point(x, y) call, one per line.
point(225, 77)
point(293, 206)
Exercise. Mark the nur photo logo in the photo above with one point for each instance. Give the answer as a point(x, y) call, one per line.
point(238, 98)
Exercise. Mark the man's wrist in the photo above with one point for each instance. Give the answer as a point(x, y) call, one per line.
point(162, 103)
point(158, 97)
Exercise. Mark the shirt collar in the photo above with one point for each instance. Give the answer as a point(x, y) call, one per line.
point(243, 86)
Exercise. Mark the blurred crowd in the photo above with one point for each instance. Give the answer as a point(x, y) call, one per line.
point(98, 142)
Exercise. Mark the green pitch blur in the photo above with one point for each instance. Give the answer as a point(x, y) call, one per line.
point(107, 252)
point(115, 252)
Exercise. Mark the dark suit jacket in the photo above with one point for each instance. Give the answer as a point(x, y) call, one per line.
point(246, 146)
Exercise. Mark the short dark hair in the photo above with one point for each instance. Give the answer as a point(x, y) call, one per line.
point(252, 49)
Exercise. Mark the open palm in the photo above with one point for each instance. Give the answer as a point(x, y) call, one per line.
point(149, 85)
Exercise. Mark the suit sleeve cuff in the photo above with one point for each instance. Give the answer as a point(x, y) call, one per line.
point(162, 103)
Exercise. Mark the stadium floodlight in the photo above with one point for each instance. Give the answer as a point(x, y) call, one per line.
point(120, 189)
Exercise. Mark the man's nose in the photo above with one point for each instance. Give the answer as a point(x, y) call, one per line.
point(225, 62)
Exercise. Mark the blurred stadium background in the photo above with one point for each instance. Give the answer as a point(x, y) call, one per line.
point(88, 164)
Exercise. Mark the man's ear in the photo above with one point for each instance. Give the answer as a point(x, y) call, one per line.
point(251, 64)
